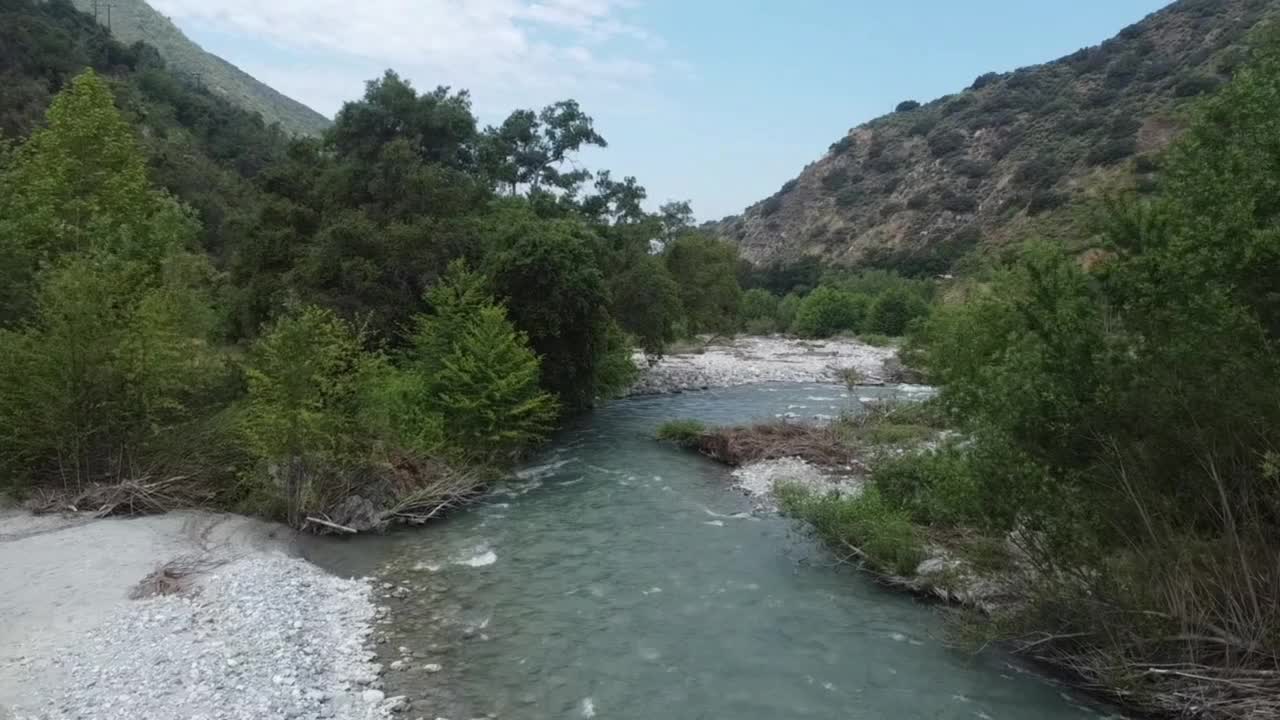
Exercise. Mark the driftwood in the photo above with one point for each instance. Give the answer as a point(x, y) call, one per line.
point(332, 525)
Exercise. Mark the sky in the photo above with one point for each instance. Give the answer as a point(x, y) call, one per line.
point(718, 102)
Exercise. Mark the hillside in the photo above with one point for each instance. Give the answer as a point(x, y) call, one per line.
point(135, 20)
point(1013, 155)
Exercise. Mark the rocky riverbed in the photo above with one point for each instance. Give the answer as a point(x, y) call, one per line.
point(192, 615)
point(748, 360)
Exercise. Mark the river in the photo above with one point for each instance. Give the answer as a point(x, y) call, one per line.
point(623, 579)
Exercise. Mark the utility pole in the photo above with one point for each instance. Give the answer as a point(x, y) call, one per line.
point(109, 6)
point(95, 10)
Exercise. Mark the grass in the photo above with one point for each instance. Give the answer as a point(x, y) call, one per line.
point(685, 433)
point(865, 527)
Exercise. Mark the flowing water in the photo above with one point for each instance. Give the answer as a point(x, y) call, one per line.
point(621, 578)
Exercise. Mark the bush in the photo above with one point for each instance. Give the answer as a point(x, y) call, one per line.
point(844, 145)
point(957, 203)
point(973, 167)
point(864, 527)
point(685, 433)
point(788, 309)
point(936, 487)
point(894, 310)
point(920, 201)
point(945, 142)
point(1196, 85)
point(758, 304)
point(984, 80)
point(1112, 151)
point(907, 106)
point(835, 179)
point(827, 311)
point(923, 126)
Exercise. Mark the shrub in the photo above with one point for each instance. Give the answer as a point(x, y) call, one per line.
point(920, 201)
point(1045, 200)
point(923, 126)
point(957, 105)
point(685, 433)
point(943, 143)
point(957, 203)
point(1196, 85)
point(984, 80)
point(835, 179)
point(827, 311)
point(1112, 151)
point(843, 145)
point(770, 205)
point(894, 310)
point(758, 304)
point(848, 197)
point(934, 488)
point(865, 527)
point(907, 106)
point(973, 167)
point(788, 309)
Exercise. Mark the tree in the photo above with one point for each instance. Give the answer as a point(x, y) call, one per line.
point(531, 149)
point(677, 217)
point(438, 125)
point(547, 274)
point(78, 184)
point(827, 311)
point(893, 311)
point(646, 302)
point(476, 373)
point(907, 106)
point(706, 271)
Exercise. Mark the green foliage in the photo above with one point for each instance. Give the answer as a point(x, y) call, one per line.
point(893, 311)
point(864, 526)
point(758, 304)
point(938, 487)
point(108, 347)
point(646, 302)
point(705, 269)
point(828, 311)
point(907, 106)
point(486, 391)
point(547, 275)
point(685, 433)
point(788, 311)
point(304, 379)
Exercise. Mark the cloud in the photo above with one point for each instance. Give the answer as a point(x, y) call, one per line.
point(508, 52)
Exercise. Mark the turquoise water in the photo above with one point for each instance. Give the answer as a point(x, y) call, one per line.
point(621, 578)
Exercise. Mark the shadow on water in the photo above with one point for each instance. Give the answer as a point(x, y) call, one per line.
point(617, 577)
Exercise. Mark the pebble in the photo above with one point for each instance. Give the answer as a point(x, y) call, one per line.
point(236, 650)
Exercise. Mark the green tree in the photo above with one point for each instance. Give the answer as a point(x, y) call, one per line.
point(828, 311)
point(706, 271)
point(646, 302)
point(547, 273)
point(80, 183)
point(531, 149)
point(893, 311)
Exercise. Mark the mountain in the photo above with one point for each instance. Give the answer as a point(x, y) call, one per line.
point(135, 20)
point(1015, 154)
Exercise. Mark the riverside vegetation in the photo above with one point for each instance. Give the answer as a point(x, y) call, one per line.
point(340, 332)
point(1117, 456)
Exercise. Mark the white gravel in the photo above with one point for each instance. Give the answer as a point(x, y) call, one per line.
point(748, 360)
point(263, 635)
point(760, 479)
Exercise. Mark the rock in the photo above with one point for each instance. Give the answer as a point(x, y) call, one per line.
point(398, 665)
point(372, 696)
point(397, 704)
point(432, 668)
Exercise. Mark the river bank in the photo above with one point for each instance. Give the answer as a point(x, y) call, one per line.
point(188, 614)
point(750, 360)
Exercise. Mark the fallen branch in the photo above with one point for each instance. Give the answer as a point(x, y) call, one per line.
point(332, 525)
